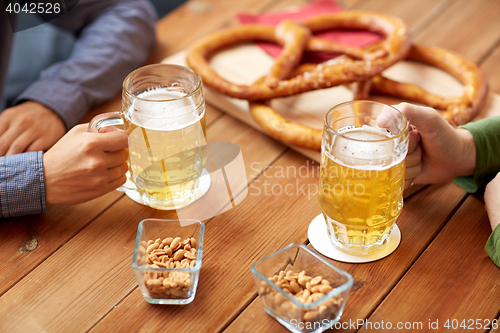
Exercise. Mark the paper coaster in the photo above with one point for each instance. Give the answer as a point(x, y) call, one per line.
point(318, 236)
point(203, 187)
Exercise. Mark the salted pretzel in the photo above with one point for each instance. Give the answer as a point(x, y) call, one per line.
point(356, 64)
point(456, 110)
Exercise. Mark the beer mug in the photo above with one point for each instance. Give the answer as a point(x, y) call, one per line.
point(362, 174)
point(163, 112)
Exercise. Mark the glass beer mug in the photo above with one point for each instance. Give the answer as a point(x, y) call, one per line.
point(163, 111)
point(362, 174)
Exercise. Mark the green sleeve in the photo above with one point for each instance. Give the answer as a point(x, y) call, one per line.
point(492, 246)
point(486, 133)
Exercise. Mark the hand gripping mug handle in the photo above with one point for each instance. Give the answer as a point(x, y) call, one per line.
point(105, 120)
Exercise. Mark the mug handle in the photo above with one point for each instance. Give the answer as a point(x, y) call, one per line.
point(105, 120)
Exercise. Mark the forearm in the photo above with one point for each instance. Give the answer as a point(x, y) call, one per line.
point(116, 42)
point(22, 187)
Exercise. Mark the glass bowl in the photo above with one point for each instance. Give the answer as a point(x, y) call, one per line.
point(314, 310)
point(167, 259)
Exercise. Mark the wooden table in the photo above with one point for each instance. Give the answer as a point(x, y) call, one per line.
point(69, 270)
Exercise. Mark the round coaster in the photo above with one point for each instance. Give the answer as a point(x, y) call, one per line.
point(318, 236)
point(203, 187)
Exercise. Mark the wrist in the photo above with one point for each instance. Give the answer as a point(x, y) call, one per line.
point(467, 151)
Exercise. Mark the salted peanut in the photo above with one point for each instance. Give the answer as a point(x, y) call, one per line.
point(316, 296)
point(160, 264)
point(158, 241)
point(166, 283)
point(177, 292)
point(188, 282)
point(322, 308)
point(142, 249)
point(285, 289)
point(176, 243)
point(158, 290)
point(301, 274)
point(167, 241)
point(161, 246)
point(295, 286)
point(153, 283)
point(186, 241)
point(303, 280)
point(325, 281)
point(187, 247)
point(179, 255)
point(190, 255)
point(325, 289)
point(192, 264)
point(152, 247)
point(158, 252)
point(309, 315)
point(193, 250)
point(180, 284)
point(194, 242)
point(178, 264)
point(315, 289)
point(281, 275)
point(316, 280)
point(150, 242)
point(309, 286)
point(168, 251)
point(306, 294)
point(164, 259)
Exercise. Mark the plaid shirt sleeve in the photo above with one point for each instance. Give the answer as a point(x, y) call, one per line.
point(22, 185)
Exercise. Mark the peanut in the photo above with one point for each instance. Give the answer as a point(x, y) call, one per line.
point(305, 289)
point(179, 255)
point(169, 253)
point(176, 243)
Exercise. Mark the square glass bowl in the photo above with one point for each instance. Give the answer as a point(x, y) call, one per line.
point(165, 265)
point(311, 311)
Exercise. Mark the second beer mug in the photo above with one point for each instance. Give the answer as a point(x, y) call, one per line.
point(163, 111)
point(362, 174)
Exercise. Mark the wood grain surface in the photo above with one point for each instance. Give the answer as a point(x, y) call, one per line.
point(69, 269)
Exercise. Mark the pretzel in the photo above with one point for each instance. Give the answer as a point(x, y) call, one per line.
point(456, 110)
point(356, 64)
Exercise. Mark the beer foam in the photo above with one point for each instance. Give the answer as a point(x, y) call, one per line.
point(174, 113)
point(364, 148)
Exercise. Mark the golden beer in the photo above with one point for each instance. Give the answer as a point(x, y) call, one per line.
point(163, 111)
point(166, 156)
point(361, 181)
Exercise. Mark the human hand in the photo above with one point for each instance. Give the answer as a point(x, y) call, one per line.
point(445, 152)
point(83, 166)
point(29, 126)
point(492, 201)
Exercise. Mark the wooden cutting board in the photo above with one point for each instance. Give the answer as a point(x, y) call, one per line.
point(244, 64)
